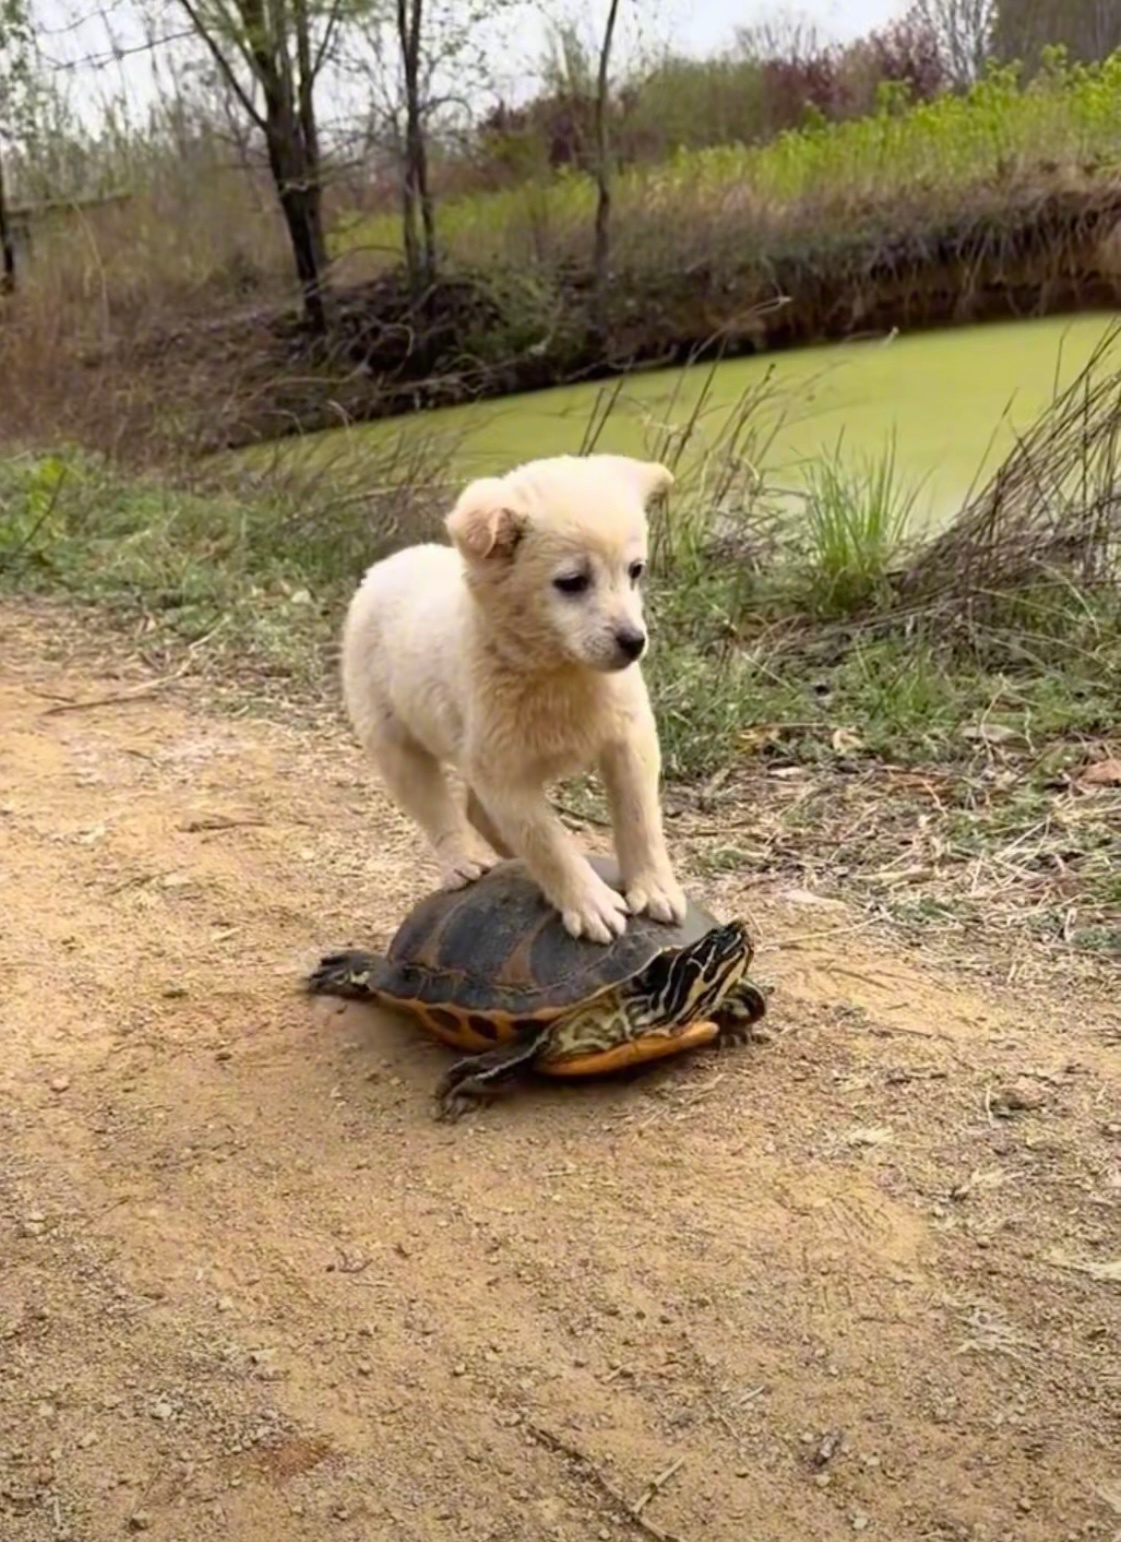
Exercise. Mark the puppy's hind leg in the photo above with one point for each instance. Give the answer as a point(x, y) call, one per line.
point(416, 782)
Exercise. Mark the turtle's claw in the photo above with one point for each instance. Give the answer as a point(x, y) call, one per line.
point(459, 1091)
point(739, 1014)
point(350, 975)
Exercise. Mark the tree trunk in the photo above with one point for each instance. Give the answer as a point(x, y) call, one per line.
point(410, 234)
point(7, 242)
point(602, 248)
point(301, 202)
point(420, 244)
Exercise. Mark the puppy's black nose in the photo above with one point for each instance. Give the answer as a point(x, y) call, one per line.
point(630, 642)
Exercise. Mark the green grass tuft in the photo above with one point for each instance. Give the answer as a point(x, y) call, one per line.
point(857, 520)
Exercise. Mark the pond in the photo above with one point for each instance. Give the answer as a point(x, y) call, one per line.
point(952, 399)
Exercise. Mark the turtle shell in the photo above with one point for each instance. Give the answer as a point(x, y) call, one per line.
point(480, 963)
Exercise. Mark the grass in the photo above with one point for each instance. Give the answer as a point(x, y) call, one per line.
point(939, 154)
point(853, 738)
point(857, 519)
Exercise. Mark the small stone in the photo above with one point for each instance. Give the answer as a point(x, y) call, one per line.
point(60, 1083)
point(223, 1054)
point(225, 1304)
point(139, 1520)
point(859, 1521)
point(162, 1410)
point(459, 1370)
point(1018, 1097)
point(1025, 1505)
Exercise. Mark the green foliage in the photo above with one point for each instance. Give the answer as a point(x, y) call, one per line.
point(251, 571)
point(1069, 114)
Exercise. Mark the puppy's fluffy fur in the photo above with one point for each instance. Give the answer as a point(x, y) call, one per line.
point(512, 657)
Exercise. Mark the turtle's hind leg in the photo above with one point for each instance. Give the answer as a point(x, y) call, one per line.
point(351, 975)
point(739, 1012)
point(478, 1078)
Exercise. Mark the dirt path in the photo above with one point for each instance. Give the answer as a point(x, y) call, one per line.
point(250, 1290)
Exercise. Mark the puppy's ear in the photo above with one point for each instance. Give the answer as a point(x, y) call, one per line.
point(653, 478)
point(483, 523)
point(648, 477)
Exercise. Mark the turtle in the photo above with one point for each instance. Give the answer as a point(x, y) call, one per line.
point(489, 969)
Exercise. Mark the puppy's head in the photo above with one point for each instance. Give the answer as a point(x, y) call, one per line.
point(555, 554)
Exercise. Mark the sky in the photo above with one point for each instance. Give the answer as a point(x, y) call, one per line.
point(98, 46)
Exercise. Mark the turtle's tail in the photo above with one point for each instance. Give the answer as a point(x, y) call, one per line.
point(352, 975)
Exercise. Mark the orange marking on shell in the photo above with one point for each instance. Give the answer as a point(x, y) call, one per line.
point(463, 1036)
point(651, 1046)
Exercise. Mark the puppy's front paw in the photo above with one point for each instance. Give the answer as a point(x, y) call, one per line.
point(599, 913)
point(458, 871)
point(659, 894)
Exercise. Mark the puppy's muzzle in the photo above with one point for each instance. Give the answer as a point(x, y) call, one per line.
point(630, 642)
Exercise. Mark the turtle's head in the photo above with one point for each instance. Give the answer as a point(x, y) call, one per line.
point(687, 984)
point(718, 960)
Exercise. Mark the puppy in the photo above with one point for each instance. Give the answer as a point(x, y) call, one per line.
point(512, 657)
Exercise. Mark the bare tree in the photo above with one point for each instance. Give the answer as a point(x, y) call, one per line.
point(785, 35)
point(16, 50)
point(424, 68)
point(271, 54)
point(1088, 29)
point(601, 252)
point(964, 33)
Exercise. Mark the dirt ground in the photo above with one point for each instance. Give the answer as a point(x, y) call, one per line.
point(862, 1279)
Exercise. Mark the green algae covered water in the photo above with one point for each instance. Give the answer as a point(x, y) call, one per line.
point(953, 400)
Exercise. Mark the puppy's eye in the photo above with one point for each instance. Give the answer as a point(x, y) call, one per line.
point(637, 569)
point(572, 583)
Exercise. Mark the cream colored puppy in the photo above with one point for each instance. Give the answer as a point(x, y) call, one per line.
point(512, 657)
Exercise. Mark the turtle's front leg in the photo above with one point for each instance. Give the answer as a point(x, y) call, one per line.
point(738, 1013)
point(479, 1078)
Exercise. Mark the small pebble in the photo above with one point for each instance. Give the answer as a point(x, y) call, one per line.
point(139, 1520)
point(860, 1522)
point(1018, 1097)
point(60, 1083)
point(162, 1410)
